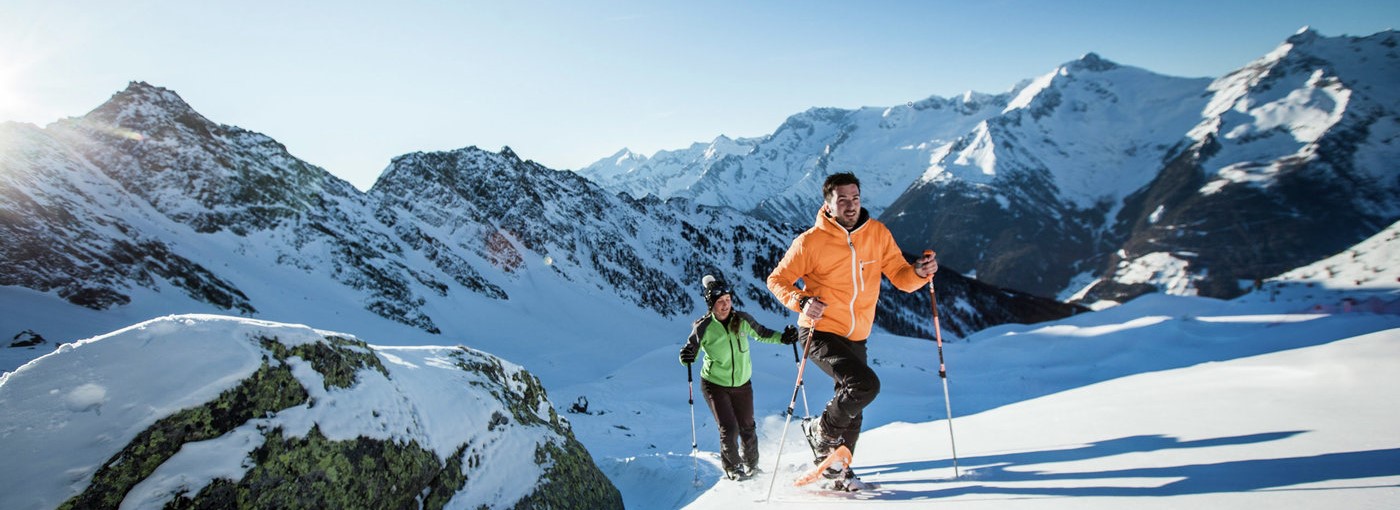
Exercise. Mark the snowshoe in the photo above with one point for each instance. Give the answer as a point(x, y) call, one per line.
point(848, 482)
point(839, 459)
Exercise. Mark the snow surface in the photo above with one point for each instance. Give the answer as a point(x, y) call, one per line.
point(1166, 402)
point(1281, 397)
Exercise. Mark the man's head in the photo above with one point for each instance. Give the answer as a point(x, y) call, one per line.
point(841, 192)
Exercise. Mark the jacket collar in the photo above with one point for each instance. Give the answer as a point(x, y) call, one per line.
point(827, 223)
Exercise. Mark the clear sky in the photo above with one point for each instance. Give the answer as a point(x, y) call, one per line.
point(348, 85)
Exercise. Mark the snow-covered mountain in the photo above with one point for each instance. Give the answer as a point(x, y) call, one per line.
point(199, 411)
point(1023, 197)
point(666, 173)
point(779, 176)
point(143, 194)
point(1295, 159)
point(1100, 410)
point(1100, 174)
point(144, 208)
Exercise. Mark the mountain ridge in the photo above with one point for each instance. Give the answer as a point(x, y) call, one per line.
point(113, 211)
point(1046, 188)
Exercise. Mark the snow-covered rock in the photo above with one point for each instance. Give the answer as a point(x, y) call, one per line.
point(195, 410)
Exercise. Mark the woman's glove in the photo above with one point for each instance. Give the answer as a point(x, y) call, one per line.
point(789, 335)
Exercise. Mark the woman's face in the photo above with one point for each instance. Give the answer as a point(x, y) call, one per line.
point(722, 307)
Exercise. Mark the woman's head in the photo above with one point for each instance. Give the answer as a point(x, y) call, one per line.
point(718, 296)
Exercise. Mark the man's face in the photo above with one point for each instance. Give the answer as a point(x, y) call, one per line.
point(843, 204)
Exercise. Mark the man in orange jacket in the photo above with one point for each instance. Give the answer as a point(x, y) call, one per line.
point(840, 260)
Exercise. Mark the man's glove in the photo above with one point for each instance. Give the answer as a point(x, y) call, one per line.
point(789, 335)
point(688, 354)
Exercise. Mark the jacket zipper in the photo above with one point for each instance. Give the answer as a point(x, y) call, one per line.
point(733, 356)
point(855, 284)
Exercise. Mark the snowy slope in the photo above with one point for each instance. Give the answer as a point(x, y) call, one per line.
point(1369, 265)
point(1293, 429)
point(1164, 402)
point(1101, 410)
point(1279, 397)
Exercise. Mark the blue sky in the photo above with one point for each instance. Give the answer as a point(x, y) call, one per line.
point(349, 85)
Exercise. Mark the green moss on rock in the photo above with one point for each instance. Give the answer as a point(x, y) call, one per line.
point(337, 359)
point(571, 480)
point(315, 472)
point(523, 401)
point(270, 389)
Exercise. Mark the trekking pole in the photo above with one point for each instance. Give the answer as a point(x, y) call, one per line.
point(806, 411)
point(694, 445)
point(801, 365)
point(943, 370)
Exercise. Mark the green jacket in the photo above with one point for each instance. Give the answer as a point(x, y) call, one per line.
point(727, 361)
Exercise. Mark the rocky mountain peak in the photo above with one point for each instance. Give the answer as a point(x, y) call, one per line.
point(1305, 35)
point(143, 105)
point(509, 154)
point(1092, 62)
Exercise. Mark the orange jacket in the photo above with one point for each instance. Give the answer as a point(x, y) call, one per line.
point(843, 270)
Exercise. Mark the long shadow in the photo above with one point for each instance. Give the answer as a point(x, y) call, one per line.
point(1221, 477)
point(1132, 444)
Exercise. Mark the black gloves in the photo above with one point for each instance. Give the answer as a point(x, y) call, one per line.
point(688, 353)
point(789, 335)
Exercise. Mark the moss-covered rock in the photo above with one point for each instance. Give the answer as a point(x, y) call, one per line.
point(270, 389)
point(337, 359)
point(571, 480)
point(315, 472)
point(405, 465)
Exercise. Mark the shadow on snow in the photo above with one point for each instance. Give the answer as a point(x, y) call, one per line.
point(1220, 477)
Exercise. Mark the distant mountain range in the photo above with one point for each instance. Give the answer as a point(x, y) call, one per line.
point(1096, 181)
point(145, 207)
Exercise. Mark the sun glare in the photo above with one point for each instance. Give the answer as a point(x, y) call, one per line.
point(10, 104)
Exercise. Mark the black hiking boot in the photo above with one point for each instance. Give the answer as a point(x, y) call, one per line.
point(821, 444)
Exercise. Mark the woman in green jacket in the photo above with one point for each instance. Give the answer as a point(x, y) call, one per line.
point(724, 335)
